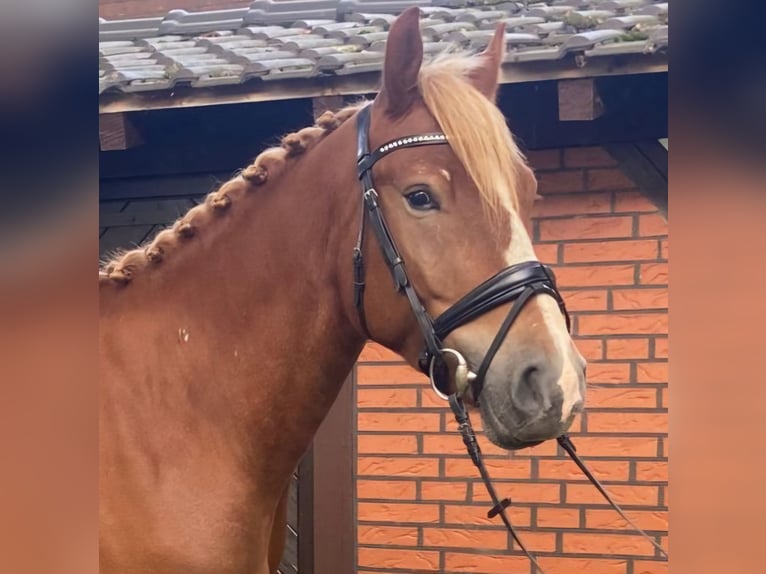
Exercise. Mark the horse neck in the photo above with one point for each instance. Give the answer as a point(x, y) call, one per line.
point(308, 235)
point(257, 311)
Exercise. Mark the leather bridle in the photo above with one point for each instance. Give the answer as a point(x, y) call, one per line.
point(516, 284)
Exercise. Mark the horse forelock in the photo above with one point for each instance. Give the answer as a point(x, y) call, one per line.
point(476, 129)
point(122, 265)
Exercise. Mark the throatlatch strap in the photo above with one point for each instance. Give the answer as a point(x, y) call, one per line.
point(469, 439)
point(567, 444)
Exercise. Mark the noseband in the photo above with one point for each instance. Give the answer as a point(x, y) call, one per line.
point(517, 284)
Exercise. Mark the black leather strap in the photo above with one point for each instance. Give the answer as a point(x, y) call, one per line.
point(566, 443)
point(505, 286)
point(472, 445)
point(478, 383)
point(366, 158)
point(371, 210)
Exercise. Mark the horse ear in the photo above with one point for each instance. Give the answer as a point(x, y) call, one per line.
point(485, 77)
point(404, 56)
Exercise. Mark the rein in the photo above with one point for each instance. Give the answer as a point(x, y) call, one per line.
point(518, 284)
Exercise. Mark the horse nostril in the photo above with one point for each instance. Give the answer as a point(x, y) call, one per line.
point(530, 393)
point(577, 408)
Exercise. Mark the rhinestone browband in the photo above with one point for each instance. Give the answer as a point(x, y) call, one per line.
point(413, 140)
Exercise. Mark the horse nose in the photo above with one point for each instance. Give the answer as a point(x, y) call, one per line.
point(535, 392)
point(534, 389)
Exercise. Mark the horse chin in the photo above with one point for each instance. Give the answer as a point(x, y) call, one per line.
point(503, 438)
point(510, 436)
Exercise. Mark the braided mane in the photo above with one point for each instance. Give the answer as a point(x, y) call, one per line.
point(266, 168)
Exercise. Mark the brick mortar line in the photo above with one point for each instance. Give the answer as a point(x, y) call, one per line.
point(613, 201)
point(627, 409)
point(607, 361)
point(530, 529)
point(440, 571)
point(591, 214)
point(597, 215)
point(473, 501)
point(399, 386)
point(516, 456)
point(480, 504)
point(602, 214)
point(620, 336)
point(575, 264)
point(610, 241)
point(458, 479)
point(491, 456)
point(614, 210)
point(444, 571)
point(520, 481)
point(500, 527)
point(655, 311)
point(418, 410)
point(642, 361)
point(645, 286)
point(605, 262)
point(559, 542)
point(505, 552)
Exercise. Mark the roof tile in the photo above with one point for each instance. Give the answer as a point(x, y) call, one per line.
point(590, 39)
point(263, 12)
point(550, 11)
point(627, 22)
point(281, 39)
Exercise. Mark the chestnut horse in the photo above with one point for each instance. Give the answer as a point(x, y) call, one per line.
point(225, 340)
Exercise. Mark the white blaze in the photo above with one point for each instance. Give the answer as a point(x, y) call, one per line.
point(521, 250)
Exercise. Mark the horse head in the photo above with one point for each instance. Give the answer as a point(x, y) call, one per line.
point(448, 198)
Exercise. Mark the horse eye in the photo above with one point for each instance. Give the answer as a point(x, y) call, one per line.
point(421, 200)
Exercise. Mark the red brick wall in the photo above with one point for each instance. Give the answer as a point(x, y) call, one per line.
point(420, 503)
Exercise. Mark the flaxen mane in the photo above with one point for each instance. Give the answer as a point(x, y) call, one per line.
point(480, 139)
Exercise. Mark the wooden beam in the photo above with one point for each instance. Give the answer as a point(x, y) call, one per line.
point(635, 109)
point(178, 160)
point(306, 513)
point(646, 163)
point(333, 535)
point(117, 132)
point(656, 152)
point(579, 100)
point(362, 84)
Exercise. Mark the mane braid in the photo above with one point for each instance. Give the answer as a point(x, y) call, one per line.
point(476, 128)
point(122, 265)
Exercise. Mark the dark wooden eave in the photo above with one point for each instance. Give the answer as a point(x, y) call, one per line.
point(358, 84)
